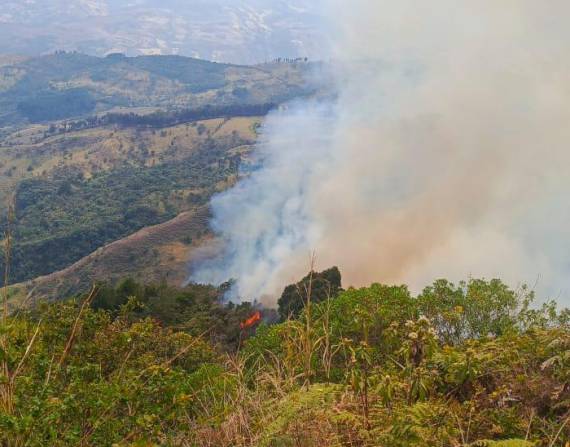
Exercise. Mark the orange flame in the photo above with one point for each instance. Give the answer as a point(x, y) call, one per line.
point(251, 321)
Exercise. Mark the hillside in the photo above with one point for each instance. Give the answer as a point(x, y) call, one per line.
point(66, 85)
point(154, 254)
point(95, 149)
point(79, 191)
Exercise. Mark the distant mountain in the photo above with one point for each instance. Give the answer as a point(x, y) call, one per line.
point(237, 31)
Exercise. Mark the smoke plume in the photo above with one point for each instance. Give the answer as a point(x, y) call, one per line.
point(444, 154)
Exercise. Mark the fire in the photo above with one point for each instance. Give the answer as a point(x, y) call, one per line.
point(251, 321)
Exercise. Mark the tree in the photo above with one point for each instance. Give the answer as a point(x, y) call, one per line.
point(323, 285)
point(472, 309)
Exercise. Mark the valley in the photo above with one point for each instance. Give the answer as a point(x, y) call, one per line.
point(94, 150)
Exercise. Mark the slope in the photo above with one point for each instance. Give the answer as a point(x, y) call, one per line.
point(86, 189)
point(66, 85)
point(154, 254)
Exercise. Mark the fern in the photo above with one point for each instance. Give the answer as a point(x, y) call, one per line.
point(505, 443)
point(296, 408)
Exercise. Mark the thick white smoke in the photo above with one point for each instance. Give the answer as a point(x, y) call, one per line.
point(446, 154)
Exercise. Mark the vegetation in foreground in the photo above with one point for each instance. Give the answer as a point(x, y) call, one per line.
point(459, 365)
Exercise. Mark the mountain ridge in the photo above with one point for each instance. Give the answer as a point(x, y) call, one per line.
point(65, 85)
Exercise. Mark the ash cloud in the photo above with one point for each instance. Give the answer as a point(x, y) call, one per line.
point(445, 154)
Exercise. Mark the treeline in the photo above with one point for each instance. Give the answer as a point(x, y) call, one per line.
point(196, 309)
point(172, 118)
point(162, 119)
point(290, 60)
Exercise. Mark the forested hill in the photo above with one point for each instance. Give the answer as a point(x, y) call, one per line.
point(82, 190)
point(66, 85)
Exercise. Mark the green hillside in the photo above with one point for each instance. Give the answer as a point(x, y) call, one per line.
point(94, 149)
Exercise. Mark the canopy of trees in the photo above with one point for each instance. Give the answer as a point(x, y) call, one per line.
point(53, 105)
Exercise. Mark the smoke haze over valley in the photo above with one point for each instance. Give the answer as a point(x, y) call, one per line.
point(445, 154)
point(432, 143)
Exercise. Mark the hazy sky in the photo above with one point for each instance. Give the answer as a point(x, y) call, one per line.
point(241, 31)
